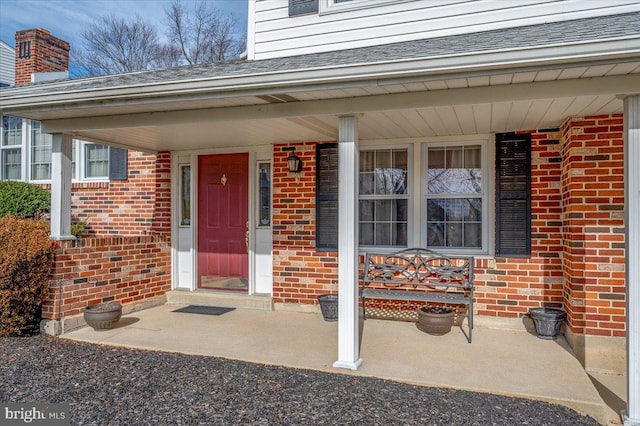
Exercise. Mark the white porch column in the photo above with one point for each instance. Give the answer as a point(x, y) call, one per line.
point(61, 187)
point(632, 221)
point(348, 312)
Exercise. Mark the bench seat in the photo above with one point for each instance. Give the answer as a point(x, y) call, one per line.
point(419, 275)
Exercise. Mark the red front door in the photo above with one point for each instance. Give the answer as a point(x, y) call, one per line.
point(223, 194)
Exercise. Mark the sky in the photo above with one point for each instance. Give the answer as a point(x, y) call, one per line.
point(66, 19)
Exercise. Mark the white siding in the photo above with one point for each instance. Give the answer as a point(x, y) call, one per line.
point(7, 64)
point(373, 22)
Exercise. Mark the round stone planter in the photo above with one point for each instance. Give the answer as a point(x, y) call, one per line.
point(547, 321)
point(436, 320)
point(103, 316)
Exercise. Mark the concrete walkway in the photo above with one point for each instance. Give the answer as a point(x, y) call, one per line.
point(500, 361)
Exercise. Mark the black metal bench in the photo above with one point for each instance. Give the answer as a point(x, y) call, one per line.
point(419, 275)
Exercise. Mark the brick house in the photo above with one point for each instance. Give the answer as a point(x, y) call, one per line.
point(380, 106)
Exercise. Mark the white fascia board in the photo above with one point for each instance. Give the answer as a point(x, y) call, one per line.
point(22, 99)
point(620, 84)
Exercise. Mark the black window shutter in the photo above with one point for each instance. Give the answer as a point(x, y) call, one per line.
point(327, 197)
point(118, 163)
point(513, 195)
point(301, 7)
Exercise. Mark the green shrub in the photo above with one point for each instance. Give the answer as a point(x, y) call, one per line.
point(26, 256)
point(21, 199)
point(79, 228)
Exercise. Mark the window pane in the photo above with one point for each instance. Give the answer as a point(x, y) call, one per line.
point(74, 149)
point(383, 197)
point(383, 210)
point(40, 153)
point(383, 222)
point(185, 195)
point(366, 234)
point(367, 161)
point(11, 159)
point(454, 158)
point(12, 131)
point(454, 178)
point(473, 235)
point(472, 157)
point(265, 194)
point(454, 222)
point(97, 161)
point(366, 183)
point(366, 209)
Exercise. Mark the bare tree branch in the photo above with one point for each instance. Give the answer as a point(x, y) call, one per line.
point(203, 34)
point(117, 45)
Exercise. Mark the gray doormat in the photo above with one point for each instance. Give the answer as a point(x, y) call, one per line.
point(204, 310)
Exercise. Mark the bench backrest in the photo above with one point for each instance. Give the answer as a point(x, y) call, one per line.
point(418, 267)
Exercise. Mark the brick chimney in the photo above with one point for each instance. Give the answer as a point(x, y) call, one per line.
point(38, 51)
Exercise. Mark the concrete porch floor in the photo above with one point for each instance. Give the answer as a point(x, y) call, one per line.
point(500, 361)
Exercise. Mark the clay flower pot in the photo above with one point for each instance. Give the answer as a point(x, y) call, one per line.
point(103, 316)
point(436, 320)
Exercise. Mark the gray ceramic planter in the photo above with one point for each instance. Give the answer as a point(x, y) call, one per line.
point(103, 316)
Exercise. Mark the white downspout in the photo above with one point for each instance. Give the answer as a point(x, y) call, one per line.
point(632, 238)
point(348, 312)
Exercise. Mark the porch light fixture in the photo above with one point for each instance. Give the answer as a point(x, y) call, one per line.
point(294, 162)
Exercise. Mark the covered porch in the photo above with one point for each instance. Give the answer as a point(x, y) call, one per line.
point(508, 361)
point(579, 99)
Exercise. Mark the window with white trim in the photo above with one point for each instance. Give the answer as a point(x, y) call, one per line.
point(96, 159)
point(455, 197)
point(25, 154)
point(40, 153)
point(185, 195)
point(384, 199)
point(11, 148)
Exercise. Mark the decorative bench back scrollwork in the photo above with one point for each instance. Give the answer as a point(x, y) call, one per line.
point(419, 274)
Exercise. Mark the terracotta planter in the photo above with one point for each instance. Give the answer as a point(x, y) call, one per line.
point(435, 320)
point(103, 316)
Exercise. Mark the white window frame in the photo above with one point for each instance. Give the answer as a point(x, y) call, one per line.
point(81, 161)
point(26, 156)
point(486, 196)
point(259, 164)
point(23, 153)
point(182, 193)
point(28, 146)
point(331, 6)
point(409, 196)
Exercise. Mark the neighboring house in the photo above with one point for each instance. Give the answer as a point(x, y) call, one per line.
point(7, 67)
point(533, 102)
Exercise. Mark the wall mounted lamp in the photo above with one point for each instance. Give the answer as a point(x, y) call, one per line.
point(294, 162)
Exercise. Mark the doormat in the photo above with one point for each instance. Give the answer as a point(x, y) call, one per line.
point(204, 310)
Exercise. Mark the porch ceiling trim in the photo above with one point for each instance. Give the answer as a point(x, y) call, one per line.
point(624, 84)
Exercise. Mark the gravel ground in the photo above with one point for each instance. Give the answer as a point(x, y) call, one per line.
point(108, 385)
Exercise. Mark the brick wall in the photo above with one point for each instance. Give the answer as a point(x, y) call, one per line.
point(96, 270)
point(132, 267)
point(38, 51)
point(300, 273)
point(593, 208)
point(140, 205)
point(577, 259)
point(508, 287)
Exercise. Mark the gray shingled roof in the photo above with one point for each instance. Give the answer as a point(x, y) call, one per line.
point(557, 33)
